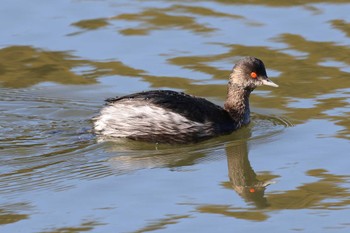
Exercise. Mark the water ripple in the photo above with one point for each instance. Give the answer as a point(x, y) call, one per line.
point(44, 140)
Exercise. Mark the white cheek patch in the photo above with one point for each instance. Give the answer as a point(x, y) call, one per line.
point(134, 119)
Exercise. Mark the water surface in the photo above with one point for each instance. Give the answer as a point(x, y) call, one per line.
point(287, 171)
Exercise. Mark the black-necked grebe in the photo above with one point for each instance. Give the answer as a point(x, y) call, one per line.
point(174, 117)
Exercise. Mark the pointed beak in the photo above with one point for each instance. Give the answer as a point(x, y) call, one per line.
point(268, 82)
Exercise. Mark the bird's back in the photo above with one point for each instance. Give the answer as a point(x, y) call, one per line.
point(163, 116)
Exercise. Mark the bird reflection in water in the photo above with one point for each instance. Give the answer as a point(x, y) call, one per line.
point(243, 179)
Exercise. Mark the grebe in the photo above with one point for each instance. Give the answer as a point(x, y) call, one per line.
point(165, 116)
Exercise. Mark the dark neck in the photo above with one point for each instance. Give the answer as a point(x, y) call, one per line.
point(237, 104)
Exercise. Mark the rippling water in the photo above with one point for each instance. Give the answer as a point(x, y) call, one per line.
point(287, 171)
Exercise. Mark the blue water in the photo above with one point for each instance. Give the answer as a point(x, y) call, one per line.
point(60, 60)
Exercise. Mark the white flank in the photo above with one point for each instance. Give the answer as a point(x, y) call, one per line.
point(129, 119)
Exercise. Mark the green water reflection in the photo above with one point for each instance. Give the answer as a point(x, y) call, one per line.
point(164, 18)
point(91, 24)
point(43, 149)
point(281, 3)
point(303, 77)
point(328, 192)
point(24, 66)
point(159, 18)
point(8, 213)
point(86, 226)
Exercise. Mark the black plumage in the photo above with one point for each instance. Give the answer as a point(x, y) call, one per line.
point(192, 107)
point(175, 117)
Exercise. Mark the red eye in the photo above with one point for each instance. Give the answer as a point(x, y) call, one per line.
point(252, 190)
point(253, 75)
